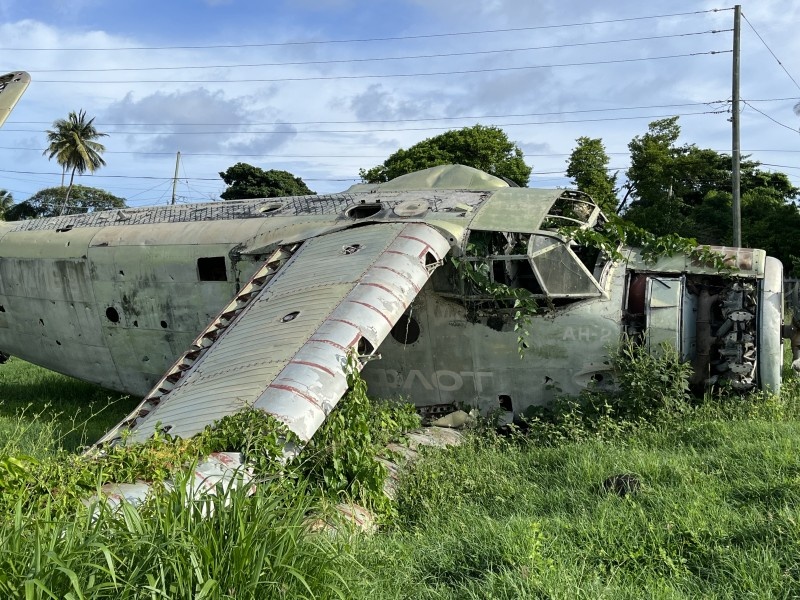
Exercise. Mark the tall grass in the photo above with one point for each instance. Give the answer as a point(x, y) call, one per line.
point(228, 546)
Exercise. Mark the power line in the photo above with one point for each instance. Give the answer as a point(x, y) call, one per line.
point(416, 120)
point(379, 59)
point(398, 129)
point(375, 39)
point(771, 118)
point(389, 75)
point(771, 52)
point(151, 177)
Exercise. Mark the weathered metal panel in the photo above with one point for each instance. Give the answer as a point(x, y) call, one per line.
point(226, 233)
point(12, 86)
point(664, 310)
point(285, 353)
point(52, 244)
point(512, 209)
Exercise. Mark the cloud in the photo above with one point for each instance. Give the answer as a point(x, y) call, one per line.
point(197, 120)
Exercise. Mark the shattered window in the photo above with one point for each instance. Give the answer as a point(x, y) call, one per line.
point(569, 210)
point(559, 270)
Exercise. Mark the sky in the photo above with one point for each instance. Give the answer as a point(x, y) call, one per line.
point(322, 88)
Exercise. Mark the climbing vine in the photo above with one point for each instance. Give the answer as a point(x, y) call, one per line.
point(617, 232)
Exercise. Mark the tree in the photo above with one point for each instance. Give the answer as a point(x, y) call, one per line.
point(72, 143)
point(588, 167)
point(247, 181)
point(52, 202)
point(484, 148)
point(686, 190)
point(6, 201)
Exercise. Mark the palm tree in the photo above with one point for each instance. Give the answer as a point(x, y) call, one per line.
point(6, 201)
point(72, 143)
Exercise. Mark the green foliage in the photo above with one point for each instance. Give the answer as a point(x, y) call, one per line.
point(617, 232)
point(650, 389)
point(522, 303)
point(232, 545)
point(51, 202)
point(339, 463)
point(72, 142)
point(686, 190)
point(479, 146)
point(715, 517)
point(246, 181)
point(342, 457)
point(6, 202)
point(259, 436)
point(588, 167)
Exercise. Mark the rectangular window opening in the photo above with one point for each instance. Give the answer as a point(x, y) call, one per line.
point(212, 268)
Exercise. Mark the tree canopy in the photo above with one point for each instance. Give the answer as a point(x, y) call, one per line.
point(51, 202)
point(588, 168)
point(246, 181)
point(6, 202)
point(481, 147)
point(684, 189)
point(73, 144)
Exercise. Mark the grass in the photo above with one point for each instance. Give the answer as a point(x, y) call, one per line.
point(46, 411)
point(523, 515)
point(718, 516)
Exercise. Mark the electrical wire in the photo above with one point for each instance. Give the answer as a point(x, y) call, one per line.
point(388, 75)
point(393, 130)
point(378, 59)
point(375, 39)
point(417, 120)
point(771, 118)
point(794, 81)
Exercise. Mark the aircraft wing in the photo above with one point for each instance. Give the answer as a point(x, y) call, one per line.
point(282, 344)
point(12, 85)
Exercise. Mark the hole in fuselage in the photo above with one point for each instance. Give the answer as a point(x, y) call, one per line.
point(406, 330)
point(164, 324)
point(362, 211)
point(365, 347)
point(112, 314)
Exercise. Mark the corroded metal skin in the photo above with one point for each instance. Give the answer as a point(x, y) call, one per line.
point(12, 86)
point(185, 306)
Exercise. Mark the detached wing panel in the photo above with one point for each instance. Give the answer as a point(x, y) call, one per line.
point(285, 350)
point(12, 86)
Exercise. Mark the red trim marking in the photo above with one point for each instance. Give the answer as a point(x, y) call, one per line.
point(331, 342)
point(387, 290)
point(296, 392)
point(423, 242)
point(401, 274)
point(222, 457)
point(353, 325)
point(313, 365)
point(377, 310)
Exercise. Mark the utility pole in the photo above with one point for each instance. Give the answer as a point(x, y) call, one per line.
point(735, 147)
point(175, 179)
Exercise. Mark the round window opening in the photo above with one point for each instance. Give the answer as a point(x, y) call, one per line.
point(362, 211)
point(406, 330)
